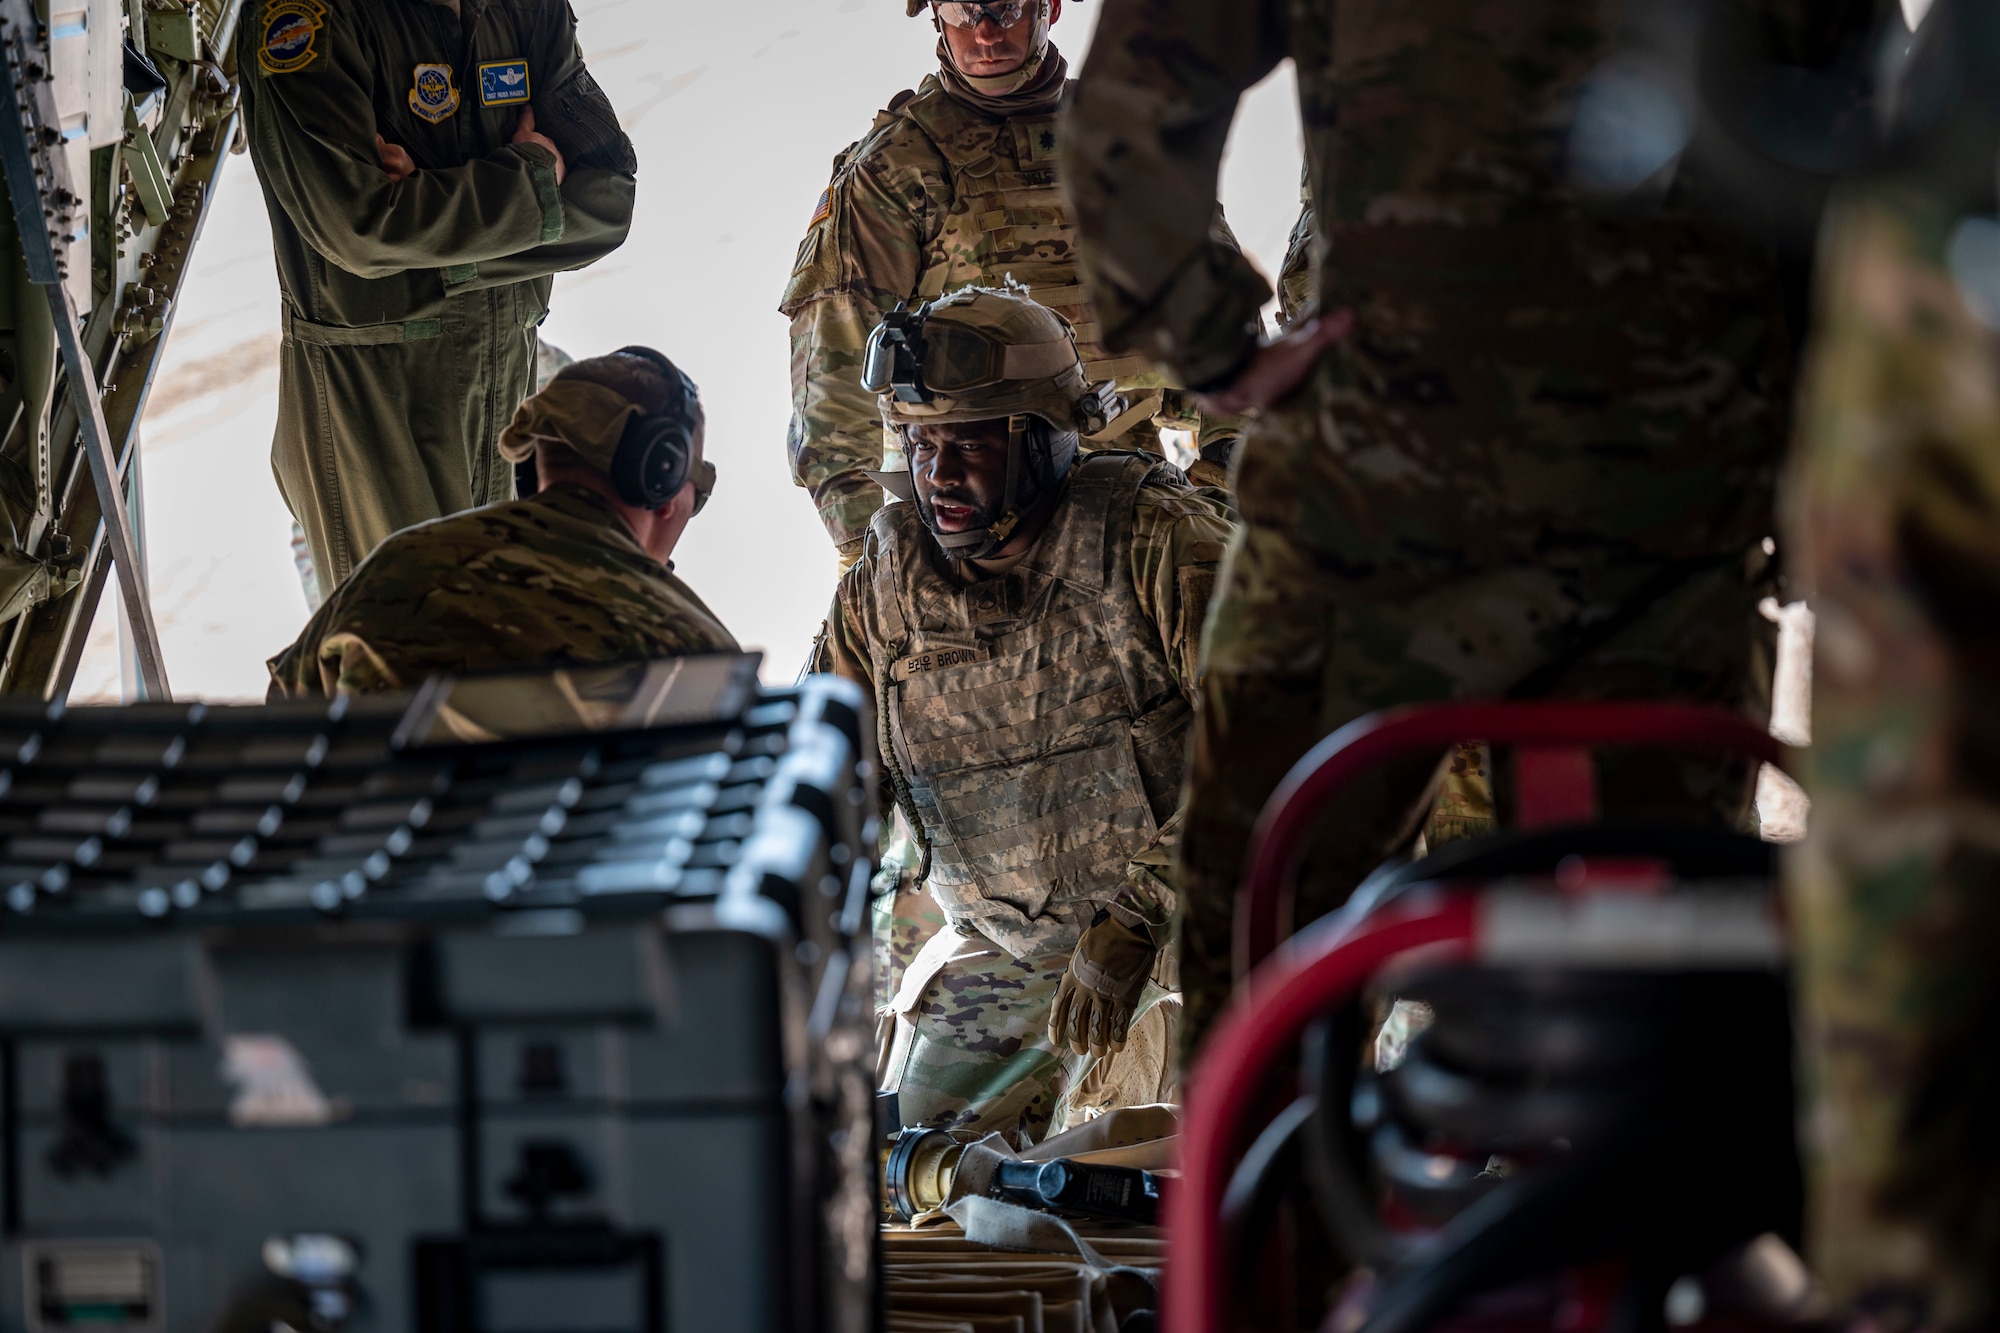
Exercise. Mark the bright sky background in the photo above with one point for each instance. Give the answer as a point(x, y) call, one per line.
point(737, 111)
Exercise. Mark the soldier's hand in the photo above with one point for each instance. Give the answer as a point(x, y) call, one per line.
point(1279, 367)
point(524, 132)
point(395, 159)
point(1097, 996)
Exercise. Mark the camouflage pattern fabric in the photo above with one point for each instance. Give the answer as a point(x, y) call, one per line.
point(971, 1049)
point(1295, 277)
point(1292, 655)
point(963, 1046)
point(1464, 803)
point(1893, 511)
point(550, 580)
point(410, 308)
point(939, 195)
point(1177, 539)
point(1543, 465)
point(903, 923)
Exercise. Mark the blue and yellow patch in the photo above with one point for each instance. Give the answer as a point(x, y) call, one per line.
point(503, 83)
point(433, 96)
point(291, 27)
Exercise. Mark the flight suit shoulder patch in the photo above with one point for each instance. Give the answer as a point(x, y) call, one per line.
point(290, 36)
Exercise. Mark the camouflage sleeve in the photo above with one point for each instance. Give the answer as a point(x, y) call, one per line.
point(1178, 538)
point(1894, 521)
point(320, 665)
point(295, 671)
point(1141, 151)
point(349, 664)
point(1295, 278)
point(862, 256)
point(841, 649)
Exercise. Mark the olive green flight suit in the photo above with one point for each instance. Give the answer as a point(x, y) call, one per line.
point(410, 307)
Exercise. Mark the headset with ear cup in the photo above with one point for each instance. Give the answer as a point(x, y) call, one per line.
point(653, 457)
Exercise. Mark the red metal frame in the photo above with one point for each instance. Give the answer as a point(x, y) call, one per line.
point(1263, 1023)
point(1283, 994)
point(1295, 808)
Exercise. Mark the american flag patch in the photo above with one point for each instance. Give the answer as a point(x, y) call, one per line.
point(824, 209)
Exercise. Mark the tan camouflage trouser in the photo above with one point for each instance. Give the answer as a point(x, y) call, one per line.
point(966, 1045)
point(904, 922)
point(1290, 654)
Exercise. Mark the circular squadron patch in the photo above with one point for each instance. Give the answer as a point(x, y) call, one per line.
point(433, 96)
point(290, 29)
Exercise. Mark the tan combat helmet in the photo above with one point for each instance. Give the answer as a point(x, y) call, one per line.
point(985, 354)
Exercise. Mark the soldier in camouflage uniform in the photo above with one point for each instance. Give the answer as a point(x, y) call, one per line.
point(955, 186)
point(1463, 807)
point(575, 573)
point(428, 166)
point(1295, 278)
point(1893, 511)
point(1529, 449)
point(1029, 622)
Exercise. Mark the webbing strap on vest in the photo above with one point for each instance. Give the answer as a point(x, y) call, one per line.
point(1036, 716)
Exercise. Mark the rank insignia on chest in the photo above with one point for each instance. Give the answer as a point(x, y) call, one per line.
point(291, 27)
point(503, 83)
point(433, 95)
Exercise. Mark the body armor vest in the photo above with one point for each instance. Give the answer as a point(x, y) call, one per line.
point(1034, 714)
point(1007, 218)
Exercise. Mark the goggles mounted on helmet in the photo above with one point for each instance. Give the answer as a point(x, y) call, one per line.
point(986, 354)
point(894, 361)
point(914, 359)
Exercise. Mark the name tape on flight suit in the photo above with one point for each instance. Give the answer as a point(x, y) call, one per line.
point(503, 83)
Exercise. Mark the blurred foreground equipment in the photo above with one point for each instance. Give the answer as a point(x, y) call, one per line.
point(1580, 1113)
point(360, 1017)
point(117, 118)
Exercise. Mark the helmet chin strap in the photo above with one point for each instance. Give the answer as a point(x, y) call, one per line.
point(983, 542)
